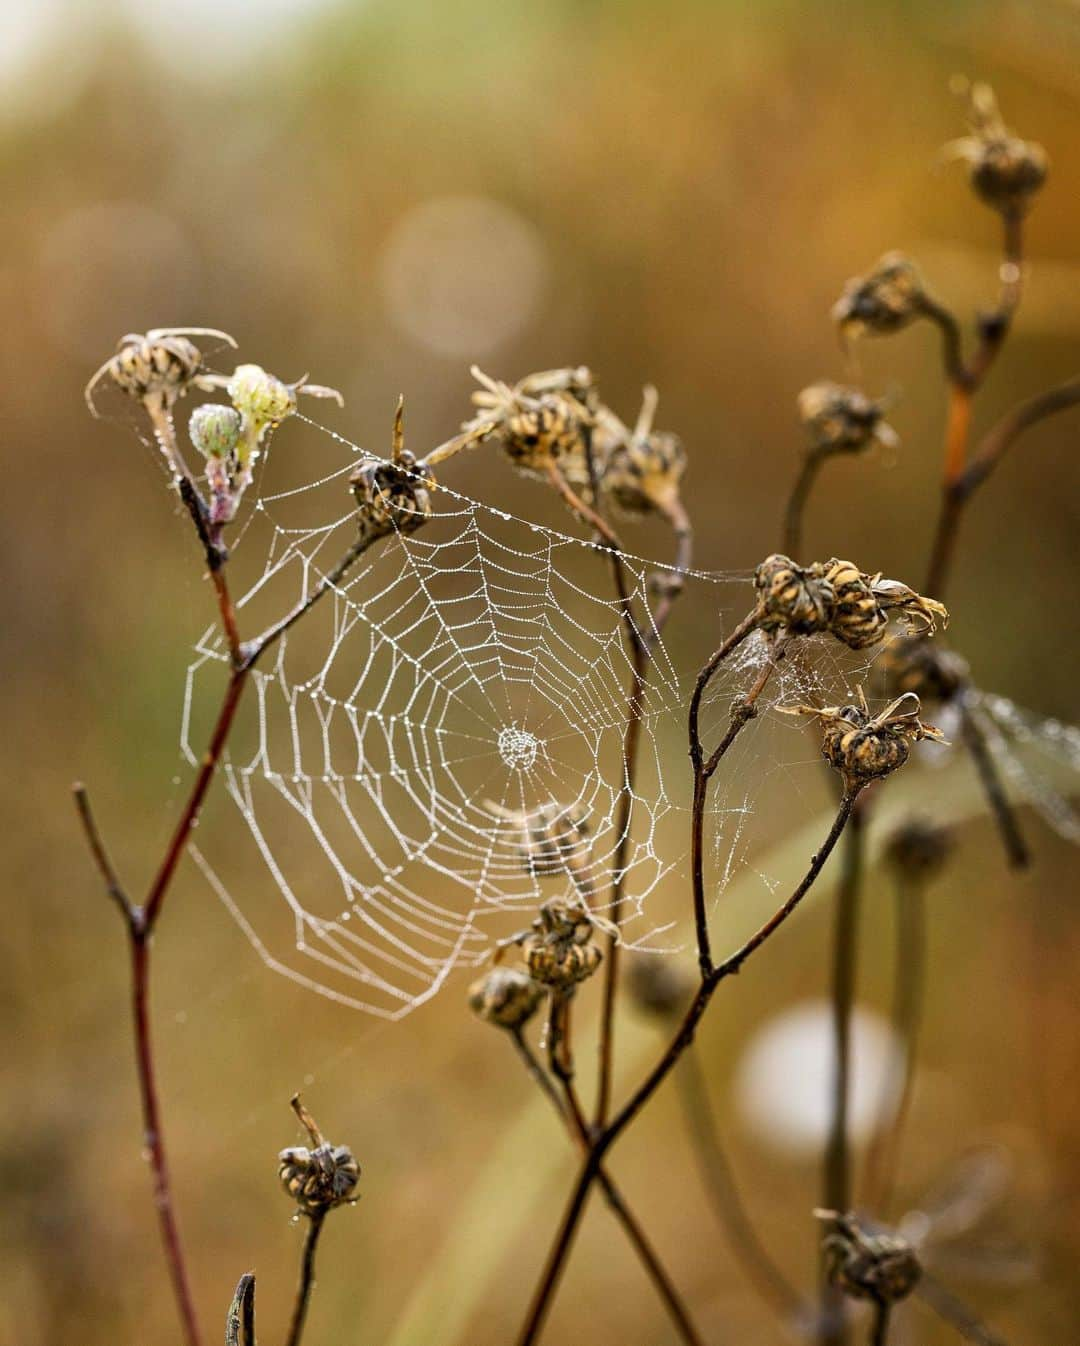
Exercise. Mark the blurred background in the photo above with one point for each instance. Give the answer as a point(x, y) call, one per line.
point(383, 193)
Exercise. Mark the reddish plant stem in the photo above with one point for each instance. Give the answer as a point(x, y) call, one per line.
point(684, 1036)
point(962, 483)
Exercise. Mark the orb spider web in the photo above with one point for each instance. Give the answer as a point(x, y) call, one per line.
point(456, 685)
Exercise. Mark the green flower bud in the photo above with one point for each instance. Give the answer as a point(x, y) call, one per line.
point(261, 399)
point(215, 430)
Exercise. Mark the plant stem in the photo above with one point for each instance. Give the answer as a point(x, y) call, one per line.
point(879, 1331)
point(796, 505)
point(571, 1114)
point(307, 1278)
point(682, 1039)
point(965, 381)
point(837, 1171)
point(909, 976)
point(240, 1321)
point(741, 713)
point(962, 480)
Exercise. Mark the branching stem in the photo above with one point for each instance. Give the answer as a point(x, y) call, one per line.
point(682, 1039)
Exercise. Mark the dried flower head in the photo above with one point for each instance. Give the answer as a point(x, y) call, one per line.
point(506, 997)
point(880, 1266)
point(836, 596)
point(392, 496)
point(918, 848)
point(793, 597)
point(1006, 172)
point(559, 950)
point(659, 985)
point(157, 367)
point(861, 605)
point(864, 747)
point(640, 469)
point(916, 664)
point(843, 420)
point(539, 423)
point(320, 1178)
point(885, 300)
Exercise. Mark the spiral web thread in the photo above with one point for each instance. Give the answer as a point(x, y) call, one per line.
point(457, 682)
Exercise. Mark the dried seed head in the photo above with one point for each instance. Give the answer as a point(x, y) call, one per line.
point(215, 430)
point(856, 617)
point(885, 300)
point(392, 496)
point(320, 1178)
point(155, 368)
point(862, 605)
point(538, 422)
point(639, 469)
point(506, 997)
point(918, 848)
point(843, 420)
point(1006, 172)
point(659, 985)
point(864, 747)
point(916, 664)
point(879, 1266)
point(559, 951)
point(797, 598)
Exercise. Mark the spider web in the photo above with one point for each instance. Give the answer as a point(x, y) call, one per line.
point(455, 683)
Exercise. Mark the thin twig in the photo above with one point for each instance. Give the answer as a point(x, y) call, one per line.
point(963, 479)
point(573, 1117)
point(113, 886)
point(796, 505)
point(964, 383)
point(307, 1278)
point(701, 776)
point(682, 1039)
point(837, 1168)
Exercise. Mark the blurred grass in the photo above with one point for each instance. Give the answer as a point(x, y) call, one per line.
point(702, 178)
